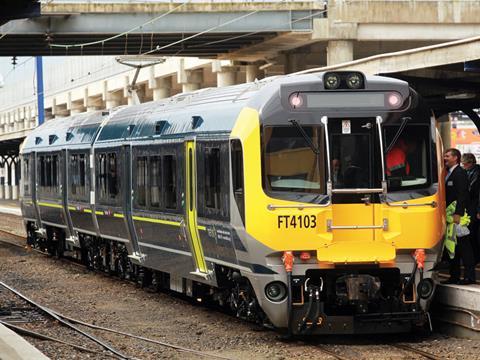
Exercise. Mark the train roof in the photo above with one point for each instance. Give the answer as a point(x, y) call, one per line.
point(199, 112)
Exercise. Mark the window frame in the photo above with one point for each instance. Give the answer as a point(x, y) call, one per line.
point(72, 173)
point(222, 212)
point(49, 177)
point(424, 129)
point(321, 160)
point(99, 193)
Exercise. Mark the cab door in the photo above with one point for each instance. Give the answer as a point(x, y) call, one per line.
point(354, 186)
point(191, 209)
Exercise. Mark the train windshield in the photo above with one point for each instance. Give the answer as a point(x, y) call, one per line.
point(407, 156)
point(291, 164)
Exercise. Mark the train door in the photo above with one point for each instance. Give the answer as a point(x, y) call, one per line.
point(191, 208)
point(354, 188)
point(128, 171)
point(33, 181)
point(70, 233)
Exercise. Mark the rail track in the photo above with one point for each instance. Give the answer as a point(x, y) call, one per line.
point(69, 322)
point(13, 323)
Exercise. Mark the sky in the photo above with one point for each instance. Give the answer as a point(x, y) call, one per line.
point(25, 68)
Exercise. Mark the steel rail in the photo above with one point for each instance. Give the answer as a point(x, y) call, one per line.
point(66, 323)
point(176, 347)
point(331, 353)
point(69, 319)
point(31, 333)
point(417, 351)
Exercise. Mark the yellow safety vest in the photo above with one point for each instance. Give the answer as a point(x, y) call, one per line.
point(450, 240)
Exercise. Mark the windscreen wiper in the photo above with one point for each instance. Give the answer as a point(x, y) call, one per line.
point(398, 133)
point(305, 137)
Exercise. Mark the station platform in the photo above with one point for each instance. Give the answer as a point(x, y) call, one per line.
point(14, 347)
point(11, 207)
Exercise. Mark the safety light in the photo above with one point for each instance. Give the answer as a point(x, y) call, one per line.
point(276, 291)
point(332, 81)
point(354, 81)
point(296, 101)
point(305, 256)
point(394, 99)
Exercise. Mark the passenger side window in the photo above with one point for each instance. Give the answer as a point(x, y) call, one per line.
point(213, 174)
point(78, 181)
point(170, 181)
point(142, 186)
point(49, 175)
point(155, 181)
point(108, 181)
point(212, 178)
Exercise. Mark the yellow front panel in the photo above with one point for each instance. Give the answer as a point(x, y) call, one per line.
point(289, 229)
point(349, 215)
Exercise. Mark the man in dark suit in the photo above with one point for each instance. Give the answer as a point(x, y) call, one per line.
point(456, 182)
point(469, 163)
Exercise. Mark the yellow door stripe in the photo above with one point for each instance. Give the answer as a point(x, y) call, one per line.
point(118, 215)
point(191, 207)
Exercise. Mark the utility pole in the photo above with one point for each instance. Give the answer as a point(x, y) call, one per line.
point(40, 98)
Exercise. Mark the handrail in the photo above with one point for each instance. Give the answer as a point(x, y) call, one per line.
point(358, 191)
point(405, 205)
point(331, 227)
point(324, 121)
point(299, 206)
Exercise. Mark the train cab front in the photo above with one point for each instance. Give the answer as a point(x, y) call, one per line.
point(349, 168)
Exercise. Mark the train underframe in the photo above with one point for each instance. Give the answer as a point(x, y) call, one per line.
point(354, 301)
point(333, 301)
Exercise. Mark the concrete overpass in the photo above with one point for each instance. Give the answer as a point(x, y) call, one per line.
point(189, 28)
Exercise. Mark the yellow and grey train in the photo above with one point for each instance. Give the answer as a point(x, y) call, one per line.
point(274, 198)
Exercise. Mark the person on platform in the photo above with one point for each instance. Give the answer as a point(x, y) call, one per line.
point(469, 163)
point(456, 184)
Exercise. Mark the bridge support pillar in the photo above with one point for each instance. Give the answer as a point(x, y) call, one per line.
point(190, 80)
point(113, 99)
point(16, 177)
point(252, 72)
point(3, 177)
point(7, 191)
point(339, 51)
point(161, 88)
point(8, 178)
point(226, 74)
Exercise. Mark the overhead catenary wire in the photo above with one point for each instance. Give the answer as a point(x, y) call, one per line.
point(125, 33)
point(258, 31)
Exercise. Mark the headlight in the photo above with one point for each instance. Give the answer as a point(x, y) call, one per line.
point(276, 291)
point(425, 288)
point(354, 81)
point(332, 81)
